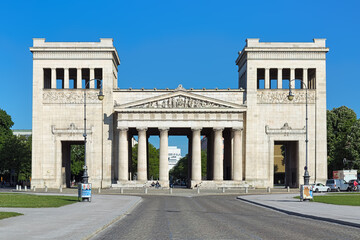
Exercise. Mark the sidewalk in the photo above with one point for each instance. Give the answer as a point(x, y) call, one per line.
point(75, 221)
point(286, 203)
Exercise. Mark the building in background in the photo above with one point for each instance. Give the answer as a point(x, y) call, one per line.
point(174, 155)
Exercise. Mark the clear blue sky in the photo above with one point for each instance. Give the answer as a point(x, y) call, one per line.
point(165, 43)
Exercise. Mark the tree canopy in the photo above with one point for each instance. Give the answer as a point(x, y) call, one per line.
point(343, 138)
point(180, 170)
point(153, 161)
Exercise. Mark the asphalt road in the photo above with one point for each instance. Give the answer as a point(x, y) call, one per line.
point(217, 217)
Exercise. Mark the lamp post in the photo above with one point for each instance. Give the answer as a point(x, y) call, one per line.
point(100, 97)
point(291, 97)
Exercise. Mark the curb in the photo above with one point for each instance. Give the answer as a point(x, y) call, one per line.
point(356, 225)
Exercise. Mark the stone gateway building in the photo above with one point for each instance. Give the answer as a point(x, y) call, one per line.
point(255, 135)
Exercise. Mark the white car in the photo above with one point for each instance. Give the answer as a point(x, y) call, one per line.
point(319, 187)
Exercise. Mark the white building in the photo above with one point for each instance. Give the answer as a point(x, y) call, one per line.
point(244, 126)
point(174, 154)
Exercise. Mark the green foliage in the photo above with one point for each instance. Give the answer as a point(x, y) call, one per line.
point(341, 133)
point(352, 145)
point(339, 199)
point(16, 156)
point(77, 161)
point(180, 171)
point(9, 214)
point(34, 201)
point(153, 161)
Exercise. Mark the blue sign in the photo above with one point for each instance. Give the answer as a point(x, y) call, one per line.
point(85, 190)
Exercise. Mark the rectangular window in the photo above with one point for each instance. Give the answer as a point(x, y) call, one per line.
point(261, 78)
point(47, 78)
point(286, 77)
point(273, 78)
point(312, 78)
point(60, 78)
point(85, 77)
point(72, 78)
point(99, 76)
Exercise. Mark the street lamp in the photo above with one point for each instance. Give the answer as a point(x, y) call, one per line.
point(291, 97)
point(100, 97)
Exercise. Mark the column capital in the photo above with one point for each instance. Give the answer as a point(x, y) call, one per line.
point(141, 128)
point(235, 129)
point(123, 128)
point(196, 128)
point(164, 129)
point(218, 129)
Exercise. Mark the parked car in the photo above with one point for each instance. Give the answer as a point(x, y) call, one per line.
point(319, 187)
point(352, 187)
point(337, 185)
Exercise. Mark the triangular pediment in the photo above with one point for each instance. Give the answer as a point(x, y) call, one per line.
point(179, 100)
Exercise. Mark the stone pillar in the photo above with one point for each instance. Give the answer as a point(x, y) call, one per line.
point(305, 78)
point(196, 155)
point(218, 155)
point(66, 78)
point(292, 77)
point(123, 154)
point(142, 153)
point(237, 154)
point(164, 162)
point(79, 79)
point(53, 78)
point(267, 78)
point(279, 78)
point(92, 76)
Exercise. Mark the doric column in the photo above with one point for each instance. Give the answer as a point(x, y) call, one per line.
point(123, 154)
point(218, 155)
point(305, 78)
point(142, 155)
point(66, 78)
point(79, 79)
point(267, 78)
point(237, 154)
point(196, 155)
point(279, 78)
point(92, 76)
point(53, 78)
point(164, 162)
point(292, 77)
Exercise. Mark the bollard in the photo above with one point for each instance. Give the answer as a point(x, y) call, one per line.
point(17, 188)
point(121, 190)
point(99, 190)
point(46, 189)
point(145, 190)
point(198, 190)
point(223, 190)
point(34, 188)
point(288, 189)
point(170, 190)
point(60, 188)
point(246, 190)
point(25, 188)
point(268, 189)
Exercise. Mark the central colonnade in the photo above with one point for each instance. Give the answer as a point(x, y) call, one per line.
point(220, 156)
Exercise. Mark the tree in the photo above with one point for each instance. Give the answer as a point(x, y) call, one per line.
point(77, 161)
point(180, 170)
point(352, 145)
point(153, 161)
point(340, 124)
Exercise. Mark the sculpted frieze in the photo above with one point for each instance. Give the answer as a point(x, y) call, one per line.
point(65, 96)
point(180, 102)
point(273, 96)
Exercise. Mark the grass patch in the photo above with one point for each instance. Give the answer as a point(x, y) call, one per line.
point(8, 214)
point(349, 199)
point(34, 201)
